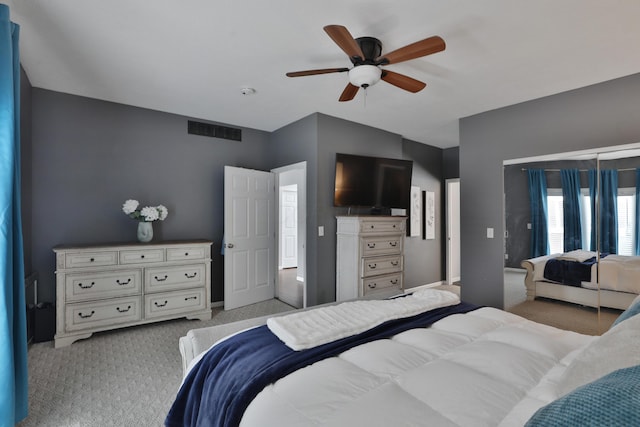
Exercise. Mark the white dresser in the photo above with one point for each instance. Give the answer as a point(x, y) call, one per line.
point(369, 256)
point(103, 287)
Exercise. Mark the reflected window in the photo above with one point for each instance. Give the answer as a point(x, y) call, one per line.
point(626, 220)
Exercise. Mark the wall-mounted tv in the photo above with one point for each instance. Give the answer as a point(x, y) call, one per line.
point(373, 182)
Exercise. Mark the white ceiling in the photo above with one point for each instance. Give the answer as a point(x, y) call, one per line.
point(193, 57)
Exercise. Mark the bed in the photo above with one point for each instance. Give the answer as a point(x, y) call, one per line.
point(473, 366)
point(576, 278)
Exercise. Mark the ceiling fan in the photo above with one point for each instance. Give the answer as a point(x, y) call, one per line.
point(365, 54)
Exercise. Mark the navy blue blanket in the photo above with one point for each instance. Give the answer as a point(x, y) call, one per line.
point(567, 272)
point(220, 387)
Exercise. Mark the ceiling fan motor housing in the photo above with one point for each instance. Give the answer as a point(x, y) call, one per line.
point(371, 47)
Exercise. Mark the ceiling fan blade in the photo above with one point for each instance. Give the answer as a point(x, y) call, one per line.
point(314, 72)
point(343, 38)
point(414, 50)
point(402, 81)
point(349, 93)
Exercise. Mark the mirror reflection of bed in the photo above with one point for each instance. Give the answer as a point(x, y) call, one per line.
point(574, 284)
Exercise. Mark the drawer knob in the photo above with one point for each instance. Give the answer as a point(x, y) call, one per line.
point(190, 276)
point(371, 245)
point(157, 304)
point(123, 310)
point(394, 263)
point(186, 254)
point(142, 256)
point(372, 226)
point(394, 281)
point(86, 286)
point(122, 283)
point(86, 316)
point(160, 279)
point(188, 298)
point(372, 285)
point(393, 244)
point(92, 259)
point(372, 266)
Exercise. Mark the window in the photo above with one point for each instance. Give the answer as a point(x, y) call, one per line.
point(626, 220)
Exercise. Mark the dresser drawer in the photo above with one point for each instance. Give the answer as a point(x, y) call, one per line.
point(141, 256)
point(381, 283)
point(90, 259)
point(381, 265)
point(371, 226)
point(181, 254)
point(104, 284)
point(381, 245)
point(169, 303)
point(102, 313)
point(160, 279)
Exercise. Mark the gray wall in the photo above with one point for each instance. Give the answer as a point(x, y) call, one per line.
point(298, 142)
point(317, 138)
point(89, 156)
point(601, 115)
point(424, 259)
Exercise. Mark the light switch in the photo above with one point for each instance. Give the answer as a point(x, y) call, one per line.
point(489, 233)
point(321, 230)
point(528, 226)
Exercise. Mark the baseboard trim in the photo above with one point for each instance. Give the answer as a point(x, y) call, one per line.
point(217, 304)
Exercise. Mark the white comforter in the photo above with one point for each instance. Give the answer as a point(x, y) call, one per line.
point(484, 368)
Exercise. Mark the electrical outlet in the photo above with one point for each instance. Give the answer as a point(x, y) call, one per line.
point(489, 233)
point(321, 230)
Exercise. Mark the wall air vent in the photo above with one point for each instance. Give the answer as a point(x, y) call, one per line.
point(214, 131)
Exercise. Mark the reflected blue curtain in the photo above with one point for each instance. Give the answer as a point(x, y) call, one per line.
point(538, 202)
point(13, 333)
point(571, 209)
point(607, 215)
point(637, 219)
point(593, 196)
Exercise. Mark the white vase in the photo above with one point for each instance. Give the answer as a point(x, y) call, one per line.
point(145, 231)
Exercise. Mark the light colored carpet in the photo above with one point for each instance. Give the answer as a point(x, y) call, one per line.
point(126, 377)
point(563, 315)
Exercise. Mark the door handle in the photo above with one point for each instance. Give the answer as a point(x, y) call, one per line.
point(230, 245)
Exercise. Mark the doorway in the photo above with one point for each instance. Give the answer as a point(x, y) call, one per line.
point(291, 232)
point(453, 230)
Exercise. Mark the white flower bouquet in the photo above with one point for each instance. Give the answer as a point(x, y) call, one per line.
point(147, 214)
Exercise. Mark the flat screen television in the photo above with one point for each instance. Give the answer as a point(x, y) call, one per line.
point(374, 182)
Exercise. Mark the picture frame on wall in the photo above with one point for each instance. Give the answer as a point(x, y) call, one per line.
point(415, 212)
point(429, 215)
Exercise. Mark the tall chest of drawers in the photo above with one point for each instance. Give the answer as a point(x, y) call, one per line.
point(369, 256)
point(111, 286)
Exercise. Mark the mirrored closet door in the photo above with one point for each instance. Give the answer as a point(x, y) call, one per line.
point(570, 230)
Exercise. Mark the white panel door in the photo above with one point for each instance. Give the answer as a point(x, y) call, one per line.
point(289, 227)
point(249, 230)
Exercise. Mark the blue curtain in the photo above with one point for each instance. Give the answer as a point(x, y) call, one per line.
point(538, 202)
point(593, 196)
point(607, 214)
point(13, 333)
point(571, 209)
point(637, 220)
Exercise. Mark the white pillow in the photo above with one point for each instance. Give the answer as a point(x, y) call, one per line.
point(617, 348)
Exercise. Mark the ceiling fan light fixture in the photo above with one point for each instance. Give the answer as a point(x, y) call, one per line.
point(365, 75)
